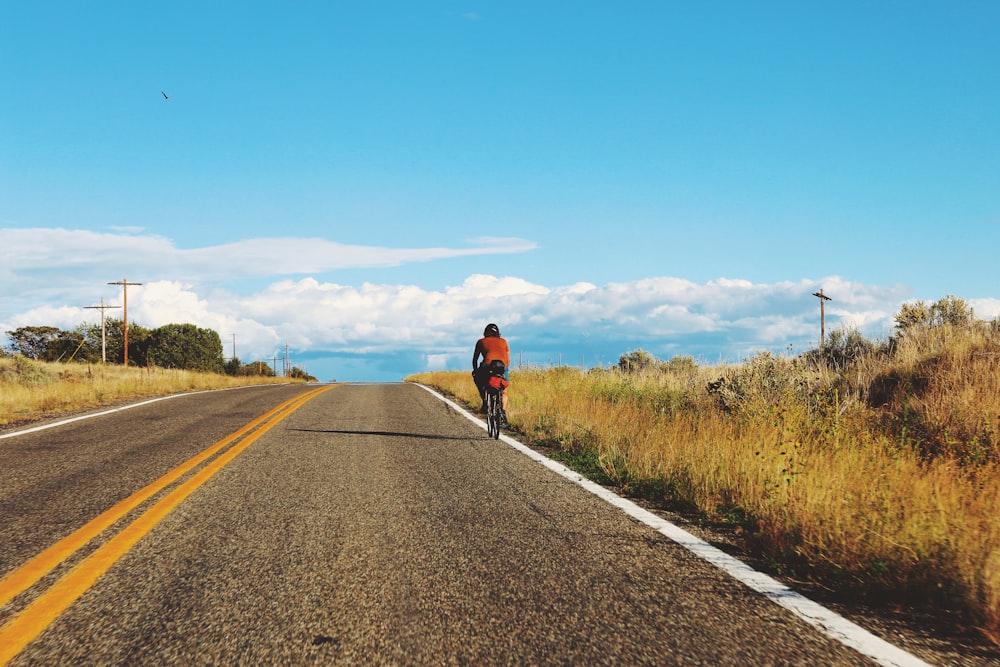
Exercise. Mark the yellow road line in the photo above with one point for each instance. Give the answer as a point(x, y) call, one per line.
point(31, 571)
point(47, 607)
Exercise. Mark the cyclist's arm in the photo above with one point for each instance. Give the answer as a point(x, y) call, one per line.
point(475, 355)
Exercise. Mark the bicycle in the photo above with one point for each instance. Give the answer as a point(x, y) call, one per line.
point(496, 383)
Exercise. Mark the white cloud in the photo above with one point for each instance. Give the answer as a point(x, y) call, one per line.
point(437, 362)
point(721, 318)
point(24, 250)
point(985, 309)
point(64, 317)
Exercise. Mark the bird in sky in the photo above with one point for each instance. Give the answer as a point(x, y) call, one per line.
point(165, 96)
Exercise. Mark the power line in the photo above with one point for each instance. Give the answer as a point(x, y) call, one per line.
point(104, 343)
point(125, 283)
point(822, 315)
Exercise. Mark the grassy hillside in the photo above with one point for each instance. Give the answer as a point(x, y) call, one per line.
point(31, 390)
point(870, 470)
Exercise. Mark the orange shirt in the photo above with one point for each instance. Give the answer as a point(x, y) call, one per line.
point(491, 347)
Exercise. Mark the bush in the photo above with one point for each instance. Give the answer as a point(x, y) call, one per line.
point(757, 386)
point(20, 370)
point(681, 365)
point(948, 310)
point(639, 360)
point(636, 361)
point(843, 348)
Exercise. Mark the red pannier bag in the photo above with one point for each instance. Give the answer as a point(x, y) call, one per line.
point(498, 382)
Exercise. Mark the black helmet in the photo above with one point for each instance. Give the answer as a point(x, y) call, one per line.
point(491, 330)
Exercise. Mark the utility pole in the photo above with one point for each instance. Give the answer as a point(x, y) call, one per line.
point(104, 342)
point(125, 283)
point(822, 315)
point(234, 346)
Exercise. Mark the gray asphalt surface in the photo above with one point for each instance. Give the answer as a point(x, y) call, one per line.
point(371, 526)
point(54, 481)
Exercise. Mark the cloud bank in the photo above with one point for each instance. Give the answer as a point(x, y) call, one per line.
point(386, 331)
point(415, 329)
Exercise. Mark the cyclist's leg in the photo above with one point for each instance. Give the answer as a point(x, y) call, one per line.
point(503, 408)
point(503, 404)
point(479, 380)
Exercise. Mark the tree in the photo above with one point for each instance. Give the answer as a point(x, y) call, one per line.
point(257, 368)
point(138, 342)
point(171, 346)
point(54, 344)
point(233, 366)
point(301, 374)
point(33, 342)
point(91, 350)
point(182, 346)
point(67, 346)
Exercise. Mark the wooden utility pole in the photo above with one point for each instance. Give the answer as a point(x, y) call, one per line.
point(104, 343)
point(125, 283)
point(822, 315)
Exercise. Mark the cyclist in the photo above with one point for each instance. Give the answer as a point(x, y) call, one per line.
point(491, 347)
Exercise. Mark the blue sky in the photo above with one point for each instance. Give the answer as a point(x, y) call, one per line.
point(371, 183)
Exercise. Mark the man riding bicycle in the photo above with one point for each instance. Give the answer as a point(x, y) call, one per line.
point(492, 348)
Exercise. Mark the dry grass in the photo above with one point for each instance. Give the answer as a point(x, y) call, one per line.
point(882, 480)
point(31, 390)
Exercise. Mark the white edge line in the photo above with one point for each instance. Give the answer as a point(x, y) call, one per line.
point(121, 408)
point(832, 624)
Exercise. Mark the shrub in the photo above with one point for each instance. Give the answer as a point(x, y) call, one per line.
point(948, 310)
point(758, 385)
point(637, 360)
point(20, 370)
point(843, 349)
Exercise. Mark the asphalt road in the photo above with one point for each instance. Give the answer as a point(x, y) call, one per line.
point(370, 525)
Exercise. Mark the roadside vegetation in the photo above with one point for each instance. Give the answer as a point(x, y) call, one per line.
point(172, 346)
point(31, 390)
point(46, 371)
point(865, 468)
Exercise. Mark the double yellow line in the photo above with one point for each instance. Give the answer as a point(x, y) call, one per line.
point(28, 624)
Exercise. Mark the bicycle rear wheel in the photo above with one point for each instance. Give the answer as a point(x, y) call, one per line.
point(493, 414)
